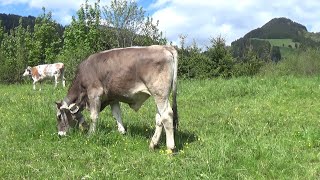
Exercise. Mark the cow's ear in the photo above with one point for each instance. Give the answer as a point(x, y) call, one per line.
point(73, 108)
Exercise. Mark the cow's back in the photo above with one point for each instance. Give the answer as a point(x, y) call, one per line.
point(121, 72)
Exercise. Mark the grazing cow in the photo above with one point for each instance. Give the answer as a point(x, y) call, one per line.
point(128, 75)
point(45, 71)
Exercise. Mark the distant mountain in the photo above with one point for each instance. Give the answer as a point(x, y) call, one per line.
point(10, 21)
point(277, 28)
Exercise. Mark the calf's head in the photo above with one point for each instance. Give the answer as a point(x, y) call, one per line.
point(27, 72)
point(67, 116)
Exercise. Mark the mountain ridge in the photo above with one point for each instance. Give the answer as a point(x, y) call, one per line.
point(276, 28)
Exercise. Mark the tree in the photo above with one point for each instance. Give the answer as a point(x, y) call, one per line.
point(130, 24)
point(248, 65)
point(126, 18)
point(221, 61)
point(14, 53)
point(46, 41)
point(84, 36)
point(275, 54)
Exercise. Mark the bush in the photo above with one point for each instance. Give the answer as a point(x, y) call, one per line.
point(249, 65)
point(306, 63)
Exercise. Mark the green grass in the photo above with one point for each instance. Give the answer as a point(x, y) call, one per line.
point(282, 42)
point(284, 46)
point(244, 128)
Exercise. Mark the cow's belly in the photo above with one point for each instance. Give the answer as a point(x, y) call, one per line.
point(136, 96)
point(138, 99)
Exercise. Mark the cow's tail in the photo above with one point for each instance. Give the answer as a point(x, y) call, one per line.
point(174, 88)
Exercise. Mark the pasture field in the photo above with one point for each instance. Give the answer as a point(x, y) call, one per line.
point(242, 128)
point(283, 45)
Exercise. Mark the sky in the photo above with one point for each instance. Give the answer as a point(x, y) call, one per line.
point(198, 20)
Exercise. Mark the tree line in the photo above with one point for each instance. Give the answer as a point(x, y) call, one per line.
point(93, 29)
point(121, 24)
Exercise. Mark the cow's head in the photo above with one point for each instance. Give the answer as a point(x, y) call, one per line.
point(67, 116)
point(27, 72)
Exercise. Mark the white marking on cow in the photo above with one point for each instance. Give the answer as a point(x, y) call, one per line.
point(62, 133)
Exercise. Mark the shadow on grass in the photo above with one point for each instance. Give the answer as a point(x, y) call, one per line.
point(181, 137)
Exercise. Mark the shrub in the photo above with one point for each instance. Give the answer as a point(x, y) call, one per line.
point(306, 63)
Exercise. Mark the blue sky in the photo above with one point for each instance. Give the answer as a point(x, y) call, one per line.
point(199, 20)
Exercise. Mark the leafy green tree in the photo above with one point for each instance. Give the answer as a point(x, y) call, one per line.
point(150, 34)
point(46, 40)
point(221, 60)
point(14, 53)
point(84, 36)
point(248, 65)
point(199, 63)
point(130, 24)
point(126, 18)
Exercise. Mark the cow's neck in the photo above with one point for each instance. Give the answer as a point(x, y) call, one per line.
point(73, 93)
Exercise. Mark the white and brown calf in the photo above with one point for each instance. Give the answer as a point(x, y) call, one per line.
point(46, 71)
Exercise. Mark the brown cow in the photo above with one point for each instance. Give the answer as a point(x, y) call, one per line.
point(128, 75)
point(46, 71)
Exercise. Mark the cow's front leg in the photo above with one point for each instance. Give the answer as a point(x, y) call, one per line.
point(34, 85)
point(116, 112)
point(95, 105)
point(83, 126)
point(40, 85)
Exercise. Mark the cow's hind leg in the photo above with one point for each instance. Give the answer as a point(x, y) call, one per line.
point(56, 80)
point(156, 136)
point(116, 112)
point(164, 119)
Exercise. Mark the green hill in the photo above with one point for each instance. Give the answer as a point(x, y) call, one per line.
point(278, 32)
point(279, 28)
point(10, 21)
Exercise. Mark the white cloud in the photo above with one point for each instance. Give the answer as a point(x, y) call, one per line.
point(62, 10)
point(202, 20)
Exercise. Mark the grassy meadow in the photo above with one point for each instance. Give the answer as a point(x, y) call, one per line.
point(241, 128)
point(283, 44)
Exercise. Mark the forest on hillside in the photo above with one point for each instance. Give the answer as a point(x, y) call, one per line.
point(29, 41)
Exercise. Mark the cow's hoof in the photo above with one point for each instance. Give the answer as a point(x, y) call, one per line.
point(122, 130)
point(83, 127)
point(152, 146)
